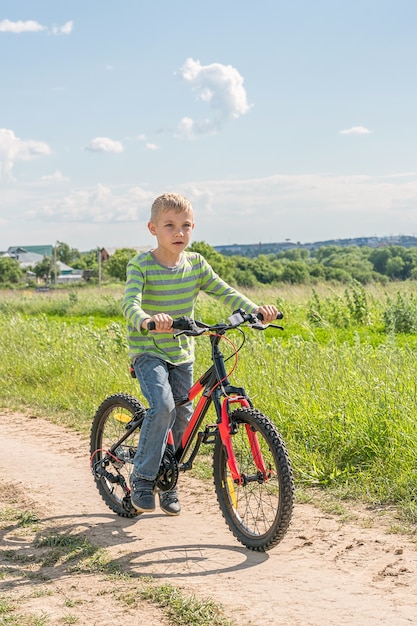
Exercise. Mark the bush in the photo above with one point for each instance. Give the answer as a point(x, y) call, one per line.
point(401, 316)
point(338, 311)
point(10, 272)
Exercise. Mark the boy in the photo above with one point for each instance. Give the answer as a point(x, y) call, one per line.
point(162, 284)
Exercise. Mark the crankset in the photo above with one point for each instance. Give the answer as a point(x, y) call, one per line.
point(168, 472)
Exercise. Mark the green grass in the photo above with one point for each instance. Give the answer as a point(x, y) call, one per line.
point(339, 381)
point(183, 609)
point(21, 519)
point(76, 303)
point(9, 616)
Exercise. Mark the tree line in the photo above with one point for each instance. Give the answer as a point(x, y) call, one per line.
point(328, 263)
point(295, 266)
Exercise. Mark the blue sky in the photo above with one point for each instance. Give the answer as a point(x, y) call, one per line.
point(279, 120)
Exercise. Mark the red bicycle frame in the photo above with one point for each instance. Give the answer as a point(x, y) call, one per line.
point(214, 387)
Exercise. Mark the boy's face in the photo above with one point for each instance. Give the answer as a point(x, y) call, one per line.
point(173, 230)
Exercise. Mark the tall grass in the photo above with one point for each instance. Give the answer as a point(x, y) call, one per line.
point(61, 367)
point(339, 382)
point(347, 412)
point(77, 303)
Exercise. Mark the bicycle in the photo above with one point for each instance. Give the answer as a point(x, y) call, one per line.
point(252, 472)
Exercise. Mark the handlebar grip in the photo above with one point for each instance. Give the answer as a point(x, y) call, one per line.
point(182, 323)
point(279, 316)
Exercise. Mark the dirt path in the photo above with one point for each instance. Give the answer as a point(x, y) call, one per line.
point(324, 573)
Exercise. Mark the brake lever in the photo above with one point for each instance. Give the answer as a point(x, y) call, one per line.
point(194, 329)
point(259, 326)
point(258, 322)
point(195, 332)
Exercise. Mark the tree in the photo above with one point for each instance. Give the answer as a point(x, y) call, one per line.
point(379, 259)
point(46, 269)
point(265, 272)
point(245, 278)
point(325, 252)
point(395, 267)
point(338, 274)
point(317, 271)
point(294, 254)
point(87, 260)
point(223, 266)
point(10, 271)
point(295, 272)
point(65, 254)
point(117, 264)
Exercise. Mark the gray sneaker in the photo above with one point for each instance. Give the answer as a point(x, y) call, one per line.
point(142, 495)
point(169, 503)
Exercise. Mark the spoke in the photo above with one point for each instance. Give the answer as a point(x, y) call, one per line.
point(255, 501)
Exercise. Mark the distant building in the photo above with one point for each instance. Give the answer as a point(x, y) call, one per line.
point(106, 253)
point(45, 250)
point(28, 258)
point(23, 256)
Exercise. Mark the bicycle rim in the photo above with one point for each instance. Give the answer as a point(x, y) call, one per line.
point(112, 472)
point(258, 511)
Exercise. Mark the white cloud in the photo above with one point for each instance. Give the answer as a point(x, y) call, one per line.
point(313, 204)
point(104, 144)
point(55, 177)
point(305, 207)
point(221, 87)
point(29, 26)
point(355, 130)
point(14, 149)
point(148, 145)
point(190, 129)
point(66, 29)
point(100, 205)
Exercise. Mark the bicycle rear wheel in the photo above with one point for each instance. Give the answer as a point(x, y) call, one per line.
point(112, 471)
point(258, 511)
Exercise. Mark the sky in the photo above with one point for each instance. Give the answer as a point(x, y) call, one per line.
point(279, 120)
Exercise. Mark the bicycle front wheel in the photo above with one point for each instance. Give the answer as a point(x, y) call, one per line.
point(258, 511)
point(112, 470)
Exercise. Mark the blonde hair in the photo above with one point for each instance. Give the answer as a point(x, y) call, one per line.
point(169, 202)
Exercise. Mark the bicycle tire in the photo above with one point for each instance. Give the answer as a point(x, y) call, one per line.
point(109, 425)
point(258, 512)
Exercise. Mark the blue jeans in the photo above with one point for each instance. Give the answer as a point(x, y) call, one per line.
point(161, 384)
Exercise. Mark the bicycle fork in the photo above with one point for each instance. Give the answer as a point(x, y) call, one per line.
point(226, 431)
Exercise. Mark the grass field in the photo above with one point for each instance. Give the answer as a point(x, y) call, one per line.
point(339, 381)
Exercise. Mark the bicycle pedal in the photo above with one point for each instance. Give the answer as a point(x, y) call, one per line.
point(209, 434)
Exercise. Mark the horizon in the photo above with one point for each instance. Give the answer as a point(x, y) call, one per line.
point(296, 120)
point(258, 243)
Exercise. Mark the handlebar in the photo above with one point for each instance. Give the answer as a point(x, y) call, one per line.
point(188, 326)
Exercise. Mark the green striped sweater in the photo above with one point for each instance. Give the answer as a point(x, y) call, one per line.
point(152, 288)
